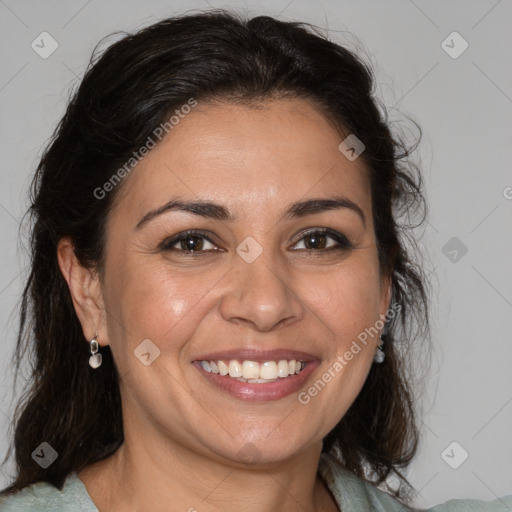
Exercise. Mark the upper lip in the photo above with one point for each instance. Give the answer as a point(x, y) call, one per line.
point(257, 355)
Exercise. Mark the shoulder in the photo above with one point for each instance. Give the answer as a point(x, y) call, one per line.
point(352, 493)
point(42, 497)
point(387, 502)
point(503, 504)
point(356, 495)
point(39, 496)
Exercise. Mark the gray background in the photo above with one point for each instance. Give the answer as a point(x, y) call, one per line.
point(464, 107)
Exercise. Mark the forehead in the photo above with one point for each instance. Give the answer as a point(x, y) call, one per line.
point(247, 156)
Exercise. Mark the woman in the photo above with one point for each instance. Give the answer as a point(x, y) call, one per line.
point(215, 217)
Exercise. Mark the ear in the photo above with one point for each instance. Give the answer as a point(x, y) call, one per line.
point(85, 289)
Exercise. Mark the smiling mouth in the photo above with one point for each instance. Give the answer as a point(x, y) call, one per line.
point(254, 372)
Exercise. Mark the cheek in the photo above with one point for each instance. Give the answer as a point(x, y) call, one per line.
point(345, 306)
point(349, 308)
point(347, 301)
point(154, 302)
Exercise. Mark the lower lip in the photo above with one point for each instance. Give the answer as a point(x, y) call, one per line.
point(256, 392)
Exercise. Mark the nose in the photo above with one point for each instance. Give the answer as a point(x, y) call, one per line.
point(261, 296)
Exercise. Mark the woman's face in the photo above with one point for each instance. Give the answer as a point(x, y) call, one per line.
point(259, 280)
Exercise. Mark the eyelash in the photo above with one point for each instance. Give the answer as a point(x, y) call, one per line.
point(343, 243)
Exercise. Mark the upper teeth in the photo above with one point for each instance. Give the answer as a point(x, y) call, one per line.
point(268, 370)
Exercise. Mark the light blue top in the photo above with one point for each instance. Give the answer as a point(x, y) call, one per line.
point(350, 492)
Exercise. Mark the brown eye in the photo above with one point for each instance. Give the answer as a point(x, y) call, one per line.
point(315, 241)
point(190, 242)
point(323, 240)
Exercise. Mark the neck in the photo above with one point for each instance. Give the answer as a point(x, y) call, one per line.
point(151, 477)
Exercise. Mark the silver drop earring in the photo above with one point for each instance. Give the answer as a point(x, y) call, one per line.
point(379, 354)
point(96, 358)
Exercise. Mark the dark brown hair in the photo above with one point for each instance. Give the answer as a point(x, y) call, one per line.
point(130, 89)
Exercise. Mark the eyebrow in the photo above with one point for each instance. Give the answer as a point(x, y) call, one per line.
point(216, 211)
